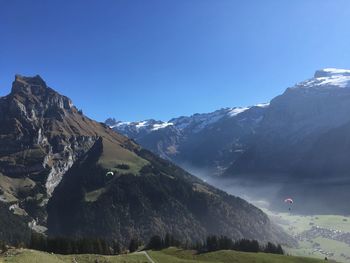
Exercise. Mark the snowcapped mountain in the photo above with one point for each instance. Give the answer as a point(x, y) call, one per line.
point(179, 138)
point(290, 139)
point(133, 129)
point(195, 123)
point(325, 82)
point(328, 78)
point(294, 124)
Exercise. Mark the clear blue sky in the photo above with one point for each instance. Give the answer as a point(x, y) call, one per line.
point(139, 59)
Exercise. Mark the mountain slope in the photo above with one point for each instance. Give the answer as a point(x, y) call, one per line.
point(159, 199)
point(295, 120)
point(79, 178)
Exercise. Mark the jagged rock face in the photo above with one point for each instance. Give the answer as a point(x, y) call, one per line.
point(41, 135)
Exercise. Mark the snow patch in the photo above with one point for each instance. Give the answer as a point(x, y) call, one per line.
point(263, 105)
point(141, 124)
point(235, 111)
point(340, 81)
point(336, 71)
point(119, 124)
point(197, 122)
point(161, 125)
point(328, 78)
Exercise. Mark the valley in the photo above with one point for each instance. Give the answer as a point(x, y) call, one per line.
point(318, 236)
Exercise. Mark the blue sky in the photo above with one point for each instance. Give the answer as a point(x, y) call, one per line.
point(140, 59)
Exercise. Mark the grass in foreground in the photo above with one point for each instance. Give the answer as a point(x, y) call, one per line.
point(33, 256)
point(174, 255)
point(170, 255)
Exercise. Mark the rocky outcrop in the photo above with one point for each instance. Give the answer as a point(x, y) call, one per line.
point(40, 138)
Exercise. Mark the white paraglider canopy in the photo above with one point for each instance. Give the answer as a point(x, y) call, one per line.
point(110, 173)
point(289, 201)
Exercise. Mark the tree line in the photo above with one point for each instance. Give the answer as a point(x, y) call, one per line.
point(62, 245)
point(214, 243)
point(3, 247)
point(65, 246)
point(157, 243)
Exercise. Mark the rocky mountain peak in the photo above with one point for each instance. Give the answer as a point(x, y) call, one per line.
point(111, 122)
point(27, 85)
point(30, 97)
point(41, 135)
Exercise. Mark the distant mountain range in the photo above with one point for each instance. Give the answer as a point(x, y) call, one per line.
point(300, 139)
point(64, 174)
point(199, 140)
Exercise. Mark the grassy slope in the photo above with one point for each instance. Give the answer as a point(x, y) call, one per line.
point(10, 187)
point(171, 255)
point(31, 256)
point(114, 155)
point(174, 255)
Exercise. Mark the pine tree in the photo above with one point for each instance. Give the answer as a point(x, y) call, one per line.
point(280, 250)
point(97, 246)
point(105, 247)
point(3, 247)
point(116, 247)
point(212, 243)
point(133, 245)
point(155, 243)
point(167, 241)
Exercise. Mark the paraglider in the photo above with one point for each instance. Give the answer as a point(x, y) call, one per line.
point(110, 173)
point(290, 202)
